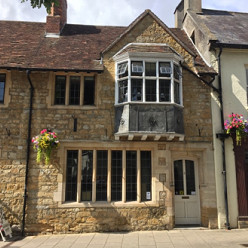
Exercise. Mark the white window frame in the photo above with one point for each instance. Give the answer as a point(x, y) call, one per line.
point(129, 60)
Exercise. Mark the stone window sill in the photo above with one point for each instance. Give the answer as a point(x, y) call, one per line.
point(106, 204)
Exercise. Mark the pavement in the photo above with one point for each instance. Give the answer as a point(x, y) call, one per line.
point(176, 238)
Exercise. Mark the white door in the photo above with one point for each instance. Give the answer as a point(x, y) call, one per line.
point(187, 203)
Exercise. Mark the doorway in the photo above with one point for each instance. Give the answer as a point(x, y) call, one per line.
point(187, 200)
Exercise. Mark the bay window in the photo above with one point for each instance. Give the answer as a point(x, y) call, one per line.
point(148, 81)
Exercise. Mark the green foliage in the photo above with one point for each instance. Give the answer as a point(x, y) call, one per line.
point(46, 3)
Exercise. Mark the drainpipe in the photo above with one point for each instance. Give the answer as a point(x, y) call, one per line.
point(222, 137)
point(28, 151)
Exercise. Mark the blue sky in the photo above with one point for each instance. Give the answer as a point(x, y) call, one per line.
point(110, 12)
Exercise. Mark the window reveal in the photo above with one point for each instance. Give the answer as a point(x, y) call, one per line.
point(85, 185)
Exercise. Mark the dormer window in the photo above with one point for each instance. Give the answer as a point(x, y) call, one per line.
point(150, 81)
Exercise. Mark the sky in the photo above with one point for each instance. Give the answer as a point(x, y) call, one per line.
point(110, 12)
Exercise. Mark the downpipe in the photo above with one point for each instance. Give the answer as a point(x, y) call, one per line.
point(28, 151)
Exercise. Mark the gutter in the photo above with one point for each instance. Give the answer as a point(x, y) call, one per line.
point(222, 137)
point(28, 151)
point(50, 69)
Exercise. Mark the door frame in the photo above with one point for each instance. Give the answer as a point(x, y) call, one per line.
point(197, 188)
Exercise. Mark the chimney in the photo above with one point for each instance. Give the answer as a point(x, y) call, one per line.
point(57, 19)
point(193, 5)
point(183, 7)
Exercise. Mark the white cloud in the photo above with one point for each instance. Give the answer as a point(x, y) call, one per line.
point(109, 12)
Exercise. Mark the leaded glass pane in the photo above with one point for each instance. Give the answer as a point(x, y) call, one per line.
point(71, 176)
point(101, 175)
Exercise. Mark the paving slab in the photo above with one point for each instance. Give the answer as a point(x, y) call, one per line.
point(177, 238)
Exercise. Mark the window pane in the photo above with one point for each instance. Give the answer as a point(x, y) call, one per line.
point(131, 176)
point(178, 177)
point(60, 83)
point(116, 176)
point(146, 192)
point(74, 98)
point(122, 70)
point(137, 68)
point(136, 89)
point(101, 175)
point(164, 90)
point(151, 90)
point(71, 176)
point(176, 72)
point(86, 183)
point(89, 90)
point(176, 93)
point(190, 177)
point(123, 93)
point(150, 69)
point(2, 87)
point(165, 69)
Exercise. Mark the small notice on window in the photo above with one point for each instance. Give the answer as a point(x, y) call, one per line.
point(193, 193)
point(148, 195)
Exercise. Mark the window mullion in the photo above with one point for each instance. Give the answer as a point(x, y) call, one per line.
point(129, 81)
point(67, 90)
point(157, 81)
point(172, 83)
point(81, 100)
point(144, 83)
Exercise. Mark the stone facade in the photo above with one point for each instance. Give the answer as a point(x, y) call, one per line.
point(47, 211)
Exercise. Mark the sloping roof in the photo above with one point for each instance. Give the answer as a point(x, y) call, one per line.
point(23, 45)
point(200, 65)
point(227, 28)
point(147, 48)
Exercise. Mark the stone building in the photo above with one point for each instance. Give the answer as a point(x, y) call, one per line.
point(220, 37)
point(132, 109)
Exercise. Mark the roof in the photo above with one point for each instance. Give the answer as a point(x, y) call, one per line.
point(147, 48)
point(225, 27)
point(24, 45)
point(79, 47)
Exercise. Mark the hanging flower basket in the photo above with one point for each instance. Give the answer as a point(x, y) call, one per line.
point(237, 126)
point(44, 143)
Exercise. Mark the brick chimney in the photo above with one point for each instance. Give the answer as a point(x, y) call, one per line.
point(183, 7)
point(57, 19)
